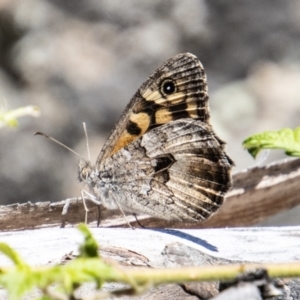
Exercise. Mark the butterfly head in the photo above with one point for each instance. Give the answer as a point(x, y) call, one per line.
point(86, 173)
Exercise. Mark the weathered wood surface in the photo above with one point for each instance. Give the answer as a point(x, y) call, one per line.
point(258, 244)
point(163, 248)
point(257, 193)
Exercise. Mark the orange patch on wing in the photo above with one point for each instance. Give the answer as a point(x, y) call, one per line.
point(143, 122)
point(192, 110)
point(123, 141)
point(163, 116)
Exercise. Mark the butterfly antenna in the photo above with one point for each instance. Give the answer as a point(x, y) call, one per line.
point(87, 141)
point(59, 143)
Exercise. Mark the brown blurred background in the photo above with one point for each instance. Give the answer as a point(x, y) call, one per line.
point(82, 60)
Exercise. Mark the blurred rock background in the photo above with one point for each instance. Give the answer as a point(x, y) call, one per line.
point(82, 60)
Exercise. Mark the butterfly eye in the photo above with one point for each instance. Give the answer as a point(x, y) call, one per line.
point(168, 87)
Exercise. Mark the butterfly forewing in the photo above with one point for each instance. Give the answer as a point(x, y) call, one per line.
point(176, 90)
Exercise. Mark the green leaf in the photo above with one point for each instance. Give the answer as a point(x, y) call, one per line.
point(90, 246)
point(19, 280)
point(12, 254)
point(286, 139)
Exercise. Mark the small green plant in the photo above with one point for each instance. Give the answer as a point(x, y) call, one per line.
point(58, 282)
point(286, 139)
point(8, 118)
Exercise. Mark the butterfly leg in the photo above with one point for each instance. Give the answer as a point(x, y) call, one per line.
point(94, 200)
point(137, 220)
point(98, 203)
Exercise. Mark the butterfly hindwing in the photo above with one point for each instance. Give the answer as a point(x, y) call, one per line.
point(178, 171)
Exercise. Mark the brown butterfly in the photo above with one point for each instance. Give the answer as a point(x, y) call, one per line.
point(162, 157)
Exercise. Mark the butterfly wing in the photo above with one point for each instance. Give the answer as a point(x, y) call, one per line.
point(176, 90)
point(178, 171)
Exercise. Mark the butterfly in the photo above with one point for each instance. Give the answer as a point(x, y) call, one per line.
point(163, 158)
